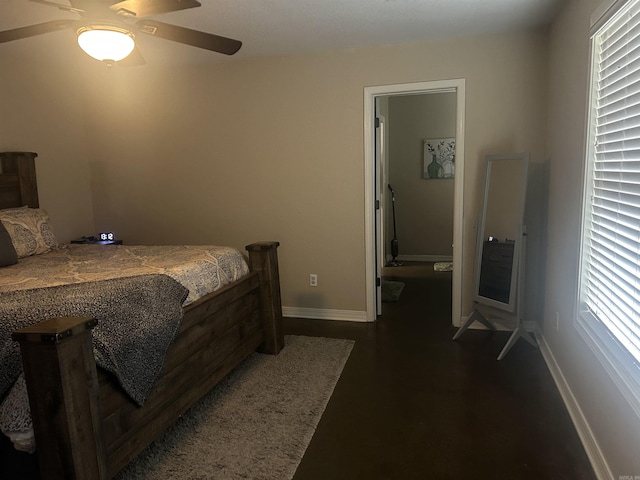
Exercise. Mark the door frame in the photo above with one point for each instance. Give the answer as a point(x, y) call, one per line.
point(370, 95)
point(381, 171)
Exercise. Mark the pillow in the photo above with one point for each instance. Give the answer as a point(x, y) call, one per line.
point(29, 229)
point(8, 255)
point(13, 209)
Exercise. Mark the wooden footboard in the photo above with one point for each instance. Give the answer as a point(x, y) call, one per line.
point(87, 428)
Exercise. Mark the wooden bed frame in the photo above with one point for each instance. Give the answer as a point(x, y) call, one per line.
point(85, 426)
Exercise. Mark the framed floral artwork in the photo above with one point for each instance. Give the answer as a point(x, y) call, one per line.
point(439, 158)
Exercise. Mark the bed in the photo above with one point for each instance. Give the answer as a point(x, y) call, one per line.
point(86, 426)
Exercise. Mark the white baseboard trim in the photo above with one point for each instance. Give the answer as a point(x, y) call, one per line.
point(425, 258)
point(325, 314)
point(597, 459)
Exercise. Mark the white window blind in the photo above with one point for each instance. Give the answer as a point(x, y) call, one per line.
point(610, 279)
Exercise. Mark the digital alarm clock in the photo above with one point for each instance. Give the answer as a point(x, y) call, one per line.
point(107, 236)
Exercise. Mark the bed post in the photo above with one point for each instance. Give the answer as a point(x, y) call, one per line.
point(60, 372)
point(263, 258)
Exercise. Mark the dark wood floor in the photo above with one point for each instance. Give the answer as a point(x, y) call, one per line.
point(413, 404)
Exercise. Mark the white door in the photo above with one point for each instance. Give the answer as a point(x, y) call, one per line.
point(381, 179)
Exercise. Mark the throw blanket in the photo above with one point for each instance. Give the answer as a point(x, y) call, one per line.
point(138, 318)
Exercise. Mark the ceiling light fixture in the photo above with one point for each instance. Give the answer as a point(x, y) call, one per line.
point(106, 42)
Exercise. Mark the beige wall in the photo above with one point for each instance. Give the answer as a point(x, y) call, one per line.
point(41, 110)
point(613, 424)
point(273, 148)
point(424, 208)
point(278, 140)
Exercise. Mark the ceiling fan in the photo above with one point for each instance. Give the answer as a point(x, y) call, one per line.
point(106, 32)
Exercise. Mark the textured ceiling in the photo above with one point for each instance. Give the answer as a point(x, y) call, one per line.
point(286, 27)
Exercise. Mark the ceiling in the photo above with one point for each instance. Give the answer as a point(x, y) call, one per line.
point(289, 27)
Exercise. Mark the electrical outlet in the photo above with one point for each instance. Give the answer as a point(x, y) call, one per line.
point(313, 279)
point(557, 321)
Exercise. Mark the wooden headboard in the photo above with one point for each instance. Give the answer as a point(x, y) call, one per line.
point(18, 185)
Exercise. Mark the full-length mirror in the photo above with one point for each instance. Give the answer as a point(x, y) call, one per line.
point(500, 235)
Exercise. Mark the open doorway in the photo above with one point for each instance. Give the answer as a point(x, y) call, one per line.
point(419, 154)
point(377, 175)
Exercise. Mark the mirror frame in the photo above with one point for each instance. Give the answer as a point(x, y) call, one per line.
point(509, 306)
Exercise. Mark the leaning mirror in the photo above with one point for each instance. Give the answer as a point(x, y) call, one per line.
point(500, 233)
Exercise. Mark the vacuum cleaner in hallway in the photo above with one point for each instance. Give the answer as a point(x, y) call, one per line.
point(394, 240)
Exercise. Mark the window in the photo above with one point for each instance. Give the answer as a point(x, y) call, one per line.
point(609, 303)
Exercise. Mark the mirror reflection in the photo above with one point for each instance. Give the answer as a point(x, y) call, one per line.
point(500, 230)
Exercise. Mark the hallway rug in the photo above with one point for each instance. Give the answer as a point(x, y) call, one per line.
point(443, 266)
point(391, 290)
point(256, 424)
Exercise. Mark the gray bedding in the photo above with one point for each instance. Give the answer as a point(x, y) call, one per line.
point(200, 268)
point(137, 295)
point(138, 318)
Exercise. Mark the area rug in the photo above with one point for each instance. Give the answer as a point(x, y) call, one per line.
point(391, 290)
point(256, 424)
point(443, 266)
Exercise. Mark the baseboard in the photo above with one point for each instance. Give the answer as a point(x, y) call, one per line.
point(597, 459)
point(425, 258)
point(325, 314)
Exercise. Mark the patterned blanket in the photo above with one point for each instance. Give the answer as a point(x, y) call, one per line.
point(136, 293)
point(200, 268)
point(138, 318)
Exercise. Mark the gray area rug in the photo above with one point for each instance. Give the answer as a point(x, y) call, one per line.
point(256, 423)
point(391, 290)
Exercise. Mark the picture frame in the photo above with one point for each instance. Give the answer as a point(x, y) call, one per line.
point(439, 158)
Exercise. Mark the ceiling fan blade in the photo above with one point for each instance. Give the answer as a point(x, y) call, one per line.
point(134, 59)
point(208, 41)
point(66, 8)
point(144, 8)
point(87, 4)
point(33, 30)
